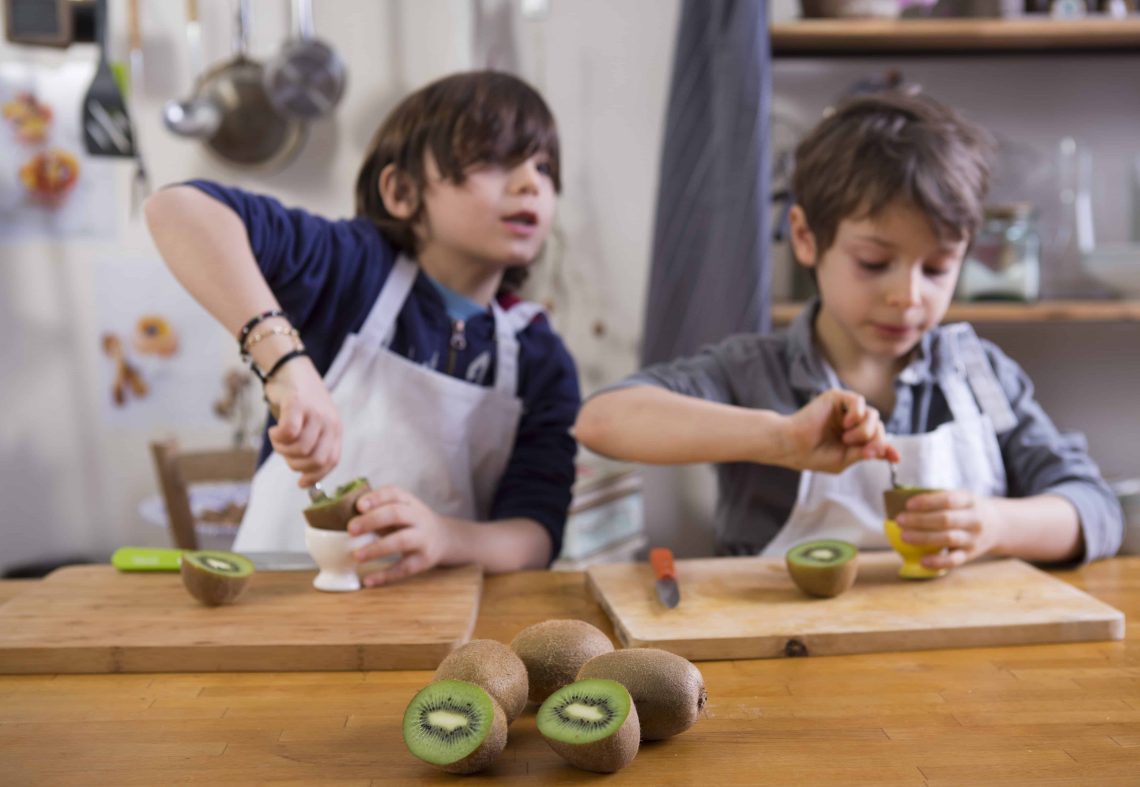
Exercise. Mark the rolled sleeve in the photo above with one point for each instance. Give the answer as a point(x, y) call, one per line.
point(1040, 459)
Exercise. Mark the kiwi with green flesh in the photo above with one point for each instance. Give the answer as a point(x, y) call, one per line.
point(823, 568)
point(553, 652)
point(215, 578)
point(456, 726)
point(668, 690)
point(592, 724)
point(495, 667)
point(334, 512)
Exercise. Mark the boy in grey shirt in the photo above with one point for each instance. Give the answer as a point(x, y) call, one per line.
point(889, 192)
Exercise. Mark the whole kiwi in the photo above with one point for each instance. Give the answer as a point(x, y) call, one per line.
point(456, 726)
point(669, 690)
point(554, 650)
point(495, 667)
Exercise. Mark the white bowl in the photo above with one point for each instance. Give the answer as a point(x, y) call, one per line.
point(1128, 493)
point(1117, 265)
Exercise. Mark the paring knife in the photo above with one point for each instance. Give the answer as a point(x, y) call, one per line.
point(661, 558)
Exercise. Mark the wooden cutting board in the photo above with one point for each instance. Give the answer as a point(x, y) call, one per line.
point(95, 619)
point(745, 608)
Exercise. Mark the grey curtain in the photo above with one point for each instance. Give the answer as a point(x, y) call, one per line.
point(709, 275)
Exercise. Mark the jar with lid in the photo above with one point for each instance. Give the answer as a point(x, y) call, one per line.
point(1004, 263)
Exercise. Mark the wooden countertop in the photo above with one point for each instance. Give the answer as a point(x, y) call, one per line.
point(1055, 714)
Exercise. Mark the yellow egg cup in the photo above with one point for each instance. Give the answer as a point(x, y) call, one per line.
point(912, 554)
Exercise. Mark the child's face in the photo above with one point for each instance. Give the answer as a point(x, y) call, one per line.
point(499, 215)
point(884, 281)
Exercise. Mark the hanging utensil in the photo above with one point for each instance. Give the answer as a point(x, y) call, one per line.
point(307, 77)
point(140, 185)
point(197, 116)
point(252, 132)
point(106, 125)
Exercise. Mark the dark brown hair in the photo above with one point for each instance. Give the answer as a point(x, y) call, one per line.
point(476, 117)
point(877, 150)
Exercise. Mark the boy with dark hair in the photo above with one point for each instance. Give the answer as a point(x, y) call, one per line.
point(456, 397)
point(889, 193)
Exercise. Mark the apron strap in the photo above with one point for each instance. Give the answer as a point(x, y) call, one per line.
point(379, 326)
point(990, 397)
point(508, 324)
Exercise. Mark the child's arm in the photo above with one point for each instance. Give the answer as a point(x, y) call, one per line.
point(207, 248)
point(406, 526)
point(643, 423)
point(1059, 507)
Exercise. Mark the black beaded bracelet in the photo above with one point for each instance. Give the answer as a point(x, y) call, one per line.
point(250, 324)
point(276, 367)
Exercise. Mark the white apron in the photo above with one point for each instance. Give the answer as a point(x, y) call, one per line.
point(445, 440)
point(963, 453)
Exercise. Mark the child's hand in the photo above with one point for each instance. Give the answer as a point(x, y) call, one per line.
point(308, 429)
point(968, 525)
point(835, 430)
point(404, 525)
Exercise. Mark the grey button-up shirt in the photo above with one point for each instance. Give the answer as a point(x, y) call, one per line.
point(782, 371)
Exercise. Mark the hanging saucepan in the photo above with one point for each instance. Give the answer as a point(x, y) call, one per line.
point(307, 77)
point(252, 133)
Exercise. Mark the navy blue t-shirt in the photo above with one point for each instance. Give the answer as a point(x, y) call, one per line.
point(327, 275)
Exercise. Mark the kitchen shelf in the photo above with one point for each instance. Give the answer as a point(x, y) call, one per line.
point(829, 37)
point(1042, 311)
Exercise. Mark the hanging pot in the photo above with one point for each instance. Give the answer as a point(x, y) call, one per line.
point(252, 133)
point(307, 78)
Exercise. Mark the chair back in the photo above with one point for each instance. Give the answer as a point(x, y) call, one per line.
point(178, 470)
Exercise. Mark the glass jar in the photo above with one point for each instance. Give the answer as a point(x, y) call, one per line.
point(1004, 263)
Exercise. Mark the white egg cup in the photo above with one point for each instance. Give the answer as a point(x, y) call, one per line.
point(332, 550)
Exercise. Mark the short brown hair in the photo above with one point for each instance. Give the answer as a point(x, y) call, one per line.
point(475, 117)
point(877, 150)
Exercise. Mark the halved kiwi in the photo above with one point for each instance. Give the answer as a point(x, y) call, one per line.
point(824, 568)
point(492, 665)
point(456, 726)
point(215, 578)
point(334, 512)
point(667, 689)
point(592, 724)
point(554, 650)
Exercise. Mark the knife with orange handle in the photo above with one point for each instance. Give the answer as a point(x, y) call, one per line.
point(661, 558)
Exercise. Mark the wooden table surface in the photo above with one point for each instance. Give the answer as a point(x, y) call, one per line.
point(1033, 715)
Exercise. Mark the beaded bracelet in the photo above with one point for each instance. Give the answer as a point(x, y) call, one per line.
point(265, 377)
point(252, 322)
point(276, 330)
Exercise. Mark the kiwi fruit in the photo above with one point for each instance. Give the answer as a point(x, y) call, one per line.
point(667, 689)
point(334, 512)
point(553, 652)
point(823, 568)
point(592, 724)
point(493, 666)
point(215, 578)
point(456, 726)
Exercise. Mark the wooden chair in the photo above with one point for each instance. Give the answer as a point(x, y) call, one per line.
point(178, 470)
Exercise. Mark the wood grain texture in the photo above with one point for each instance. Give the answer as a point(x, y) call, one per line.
point(95, 619)
point(1036, 715)
point(737, 608)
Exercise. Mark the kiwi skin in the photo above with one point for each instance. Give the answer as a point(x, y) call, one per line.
point(607, 755)
point(335, 512)
point(210, 587)
point(553, 652)
point(823, 581)
point(669, 690)
point(494, 667)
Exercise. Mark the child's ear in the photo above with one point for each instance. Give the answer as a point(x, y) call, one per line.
point(801, 237)
point(398, 192)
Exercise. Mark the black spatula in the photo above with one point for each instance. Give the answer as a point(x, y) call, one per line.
point(106, 125)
